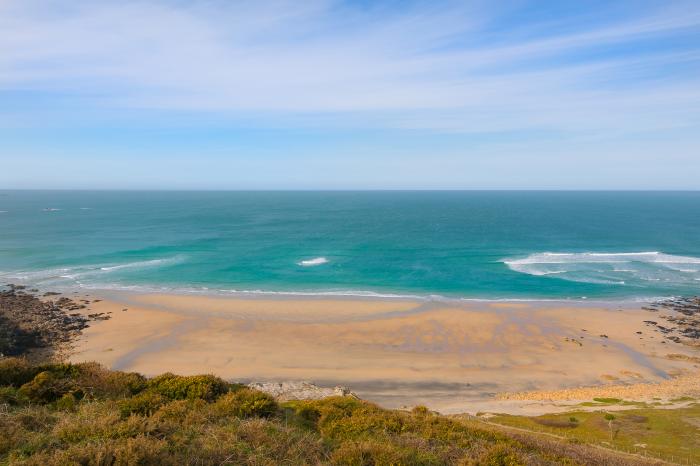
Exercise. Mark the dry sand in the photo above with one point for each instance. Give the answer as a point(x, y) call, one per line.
point(447, 356)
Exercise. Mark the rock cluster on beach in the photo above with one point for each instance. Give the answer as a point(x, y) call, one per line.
point(678, 321)
point(35, 327)
point(684, 319)
point(287, 391)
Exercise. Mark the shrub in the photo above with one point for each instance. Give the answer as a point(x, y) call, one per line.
point(350, 419)
point(47, 387)
point(268, 442)
point(420, 411)
point(17, 371)
point(67, 402)
point(245, 403)
point(96, 382)
point(12, 436)
point(62, 370)
point(501, 455)
point(99, 421)
point(145, 403)
point(342, 419)
point(54, 381)
point(371, 453)
point(138, 450)
point(12, 396)
point(176, 387)
point(203, 420)
point(182, 415)
point(308, 413)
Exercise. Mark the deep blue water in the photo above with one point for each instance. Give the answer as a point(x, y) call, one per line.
point(471, 244)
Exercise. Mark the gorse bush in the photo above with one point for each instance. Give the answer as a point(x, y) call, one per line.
point(97, 382)
point(84, 414)
point(176, 387)
point(48, 386)
point(244, 403)
point(17, 371)
point(145, 403)
point(50, 382)
point(10, 395)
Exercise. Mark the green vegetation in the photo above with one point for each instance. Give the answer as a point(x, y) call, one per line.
point(607, 400)
point(682, 398)
point(669, 434)
point(56, 414)
point(615, 401)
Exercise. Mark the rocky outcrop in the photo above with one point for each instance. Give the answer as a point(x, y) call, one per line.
point(682, 318)
point(36, 328)
point(287, 391)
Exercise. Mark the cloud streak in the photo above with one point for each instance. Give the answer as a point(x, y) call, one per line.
point(446, 67)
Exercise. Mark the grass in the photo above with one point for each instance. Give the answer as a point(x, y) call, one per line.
point(671, 434)
point(607, 400)
point(614, 401)
point(57, 414)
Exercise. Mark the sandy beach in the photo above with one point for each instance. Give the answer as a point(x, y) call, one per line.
point(450, 356)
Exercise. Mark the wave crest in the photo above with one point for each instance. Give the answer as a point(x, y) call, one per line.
point(606, 268)
point(142, 264)
point(313, 262)
point(74, 275)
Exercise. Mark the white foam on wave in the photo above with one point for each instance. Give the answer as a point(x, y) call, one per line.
point(340, 294)
point(67, 276)
point(97, 286)
point(35, 275)
point(313, 262)
point(260, 292)
point(142, 264)
point(613, 268)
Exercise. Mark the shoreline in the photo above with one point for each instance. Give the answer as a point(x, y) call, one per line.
point(354, 295)
point(449, 356)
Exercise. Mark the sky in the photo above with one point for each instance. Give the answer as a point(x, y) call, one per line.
point(323, 94)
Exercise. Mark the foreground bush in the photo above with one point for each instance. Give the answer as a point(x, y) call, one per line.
point(245, 402)
point(16, 371)
point(84, 414)
point(177, 387)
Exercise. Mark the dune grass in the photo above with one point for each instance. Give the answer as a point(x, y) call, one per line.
point(58, 414)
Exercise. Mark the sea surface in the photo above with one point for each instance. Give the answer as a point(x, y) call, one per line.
point(451, 244)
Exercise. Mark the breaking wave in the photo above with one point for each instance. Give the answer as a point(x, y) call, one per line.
point(142, 264)
point(68, 276)
point(611, 268)
point(313, 262)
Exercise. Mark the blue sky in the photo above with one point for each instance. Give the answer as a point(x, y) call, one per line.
point(320, 94)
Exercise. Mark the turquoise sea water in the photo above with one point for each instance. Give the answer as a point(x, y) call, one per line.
point(473, 244)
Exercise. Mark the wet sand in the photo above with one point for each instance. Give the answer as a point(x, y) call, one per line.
point(445, 355)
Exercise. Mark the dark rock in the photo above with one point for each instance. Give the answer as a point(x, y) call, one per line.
point(30, 326)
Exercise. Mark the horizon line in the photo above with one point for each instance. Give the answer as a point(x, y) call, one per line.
point(693, 190)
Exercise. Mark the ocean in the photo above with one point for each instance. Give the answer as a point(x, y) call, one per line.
point(440, 244)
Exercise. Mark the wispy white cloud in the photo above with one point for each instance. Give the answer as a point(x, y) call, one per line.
point(427, 66)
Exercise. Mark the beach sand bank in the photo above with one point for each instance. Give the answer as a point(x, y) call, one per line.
point(449, 356)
